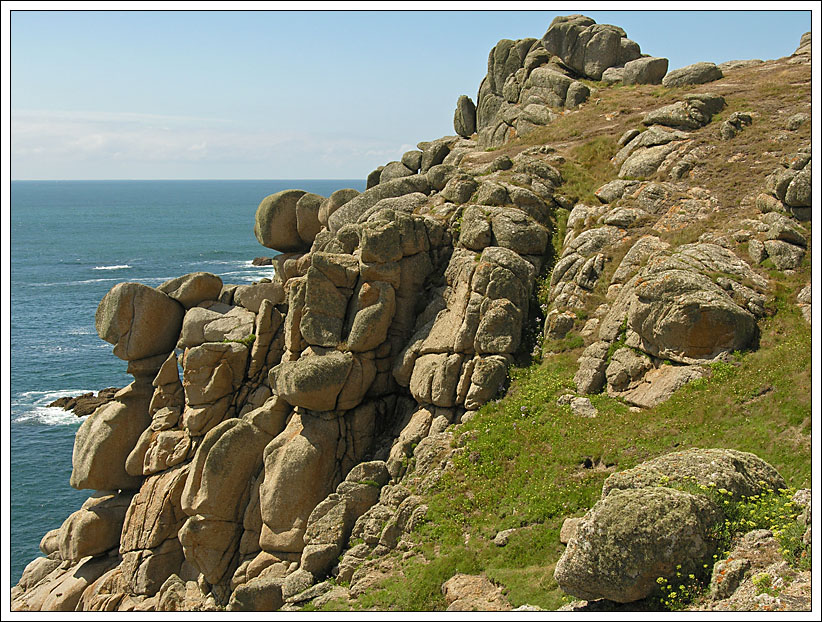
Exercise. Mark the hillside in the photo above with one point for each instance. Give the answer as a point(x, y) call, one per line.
point(607, 267)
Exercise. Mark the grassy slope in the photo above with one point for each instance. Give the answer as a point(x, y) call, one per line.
point(529, 463)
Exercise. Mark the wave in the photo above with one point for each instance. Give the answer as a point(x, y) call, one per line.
point(124, 266)
point(32, 407)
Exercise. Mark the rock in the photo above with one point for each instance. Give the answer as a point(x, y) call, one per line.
point(259, 594)
point(351, 211)
point(473, 593)
point(582, 407)
point(300, 465)
point(645, 70)
point(569, 529)
point(394, 170)
point(84, 405)
point(297, 582)
point(335, 201)
point(412, 159)
point(275, 224)
point(683, 316)
point(795, 121)
point(312, 382)
point(591, 374)
point(140, 321)
point(465, 117)
point(210, 544)
point(734, 124)
point(192, 289)
point(740, 473)
point(658, 385)
point(784, 256)
point(632, 537)
point(626, 367)
point(308, 221)
point(94, 528)
point(230, 454)
point(261, 261)
point(798, 192)
point(587, 47)
point(251, 296)
point(106, 438)
point(698, 73)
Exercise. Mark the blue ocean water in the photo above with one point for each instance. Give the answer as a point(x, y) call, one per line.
point(72, 241)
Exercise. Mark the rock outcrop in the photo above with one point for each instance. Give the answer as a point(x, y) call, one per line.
point(263, 444)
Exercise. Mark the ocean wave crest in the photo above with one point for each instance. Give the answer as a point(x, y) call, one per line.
point(124, 266)
point(32, 407)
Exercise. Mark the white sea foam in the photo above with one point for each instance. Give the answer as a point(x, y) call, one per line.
point(124, 266)
point(33, 407)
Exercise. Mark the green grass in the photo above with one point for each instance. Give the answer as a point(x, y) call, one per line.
point(588, 168)
point(528, 463)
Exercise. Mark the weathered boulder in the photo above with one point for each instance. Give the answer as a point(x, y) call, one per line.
point(229, 457)
point(632, 537)
point(300, 471)
point(139, 320)
point(645, 70)
point(95, 528)
point(308, 210)
point(334, 202)
point(106, 438)
point(192, 289)
point(738, 472)
point(587, 47)
point(698, 73)
point(464, 592)
point(351, 211)
point(313, 382)
point(275, 223)
point(465, 117)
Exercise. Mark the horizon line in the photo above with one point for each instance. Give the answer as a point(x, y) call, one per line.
point(208, 179)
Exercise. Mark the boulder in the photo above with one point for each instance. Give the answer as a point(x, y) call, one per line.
point(192, 289)
point(230, 455)
point(308, 210)
point(645, 70)
point(465, 117)
point(738, 472)
point(394, 170)
point(95, 528)
point(698, 73)
point(312, 382)
point(300, 471)
point(106, 438)
point(464, 592)
point(139, 320)
point(334, 202)
point(275, 223)
point(632, 537)
point(587, 47)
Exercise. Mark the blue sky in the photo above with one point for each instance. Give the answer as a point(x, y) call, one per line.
point(291, 94)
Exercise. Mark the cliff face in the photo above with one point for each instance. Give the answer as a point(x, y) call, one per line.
point(278, 455)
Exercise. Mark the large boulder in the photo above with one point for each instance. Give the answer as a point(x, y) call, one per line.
point(698, 73)
point(139, 320)
point(646, 525)
point(275, 224)
point(645, 70)
point(465, 117)
point(682, 315)
point(94, 528)
point(587, 47)
point(192, 289)
point(740, 473)
point(106, 438)
point(313, 382)
point(632, 537)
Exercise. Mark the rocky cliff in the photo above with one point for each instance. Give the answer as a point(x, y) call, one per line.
point(268, 437)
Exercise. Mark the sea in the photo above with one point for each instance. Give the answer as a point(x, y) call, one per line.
point(72, 241)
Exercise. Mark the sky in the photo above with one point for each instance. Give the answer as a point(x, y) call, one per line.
point(116, 94)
